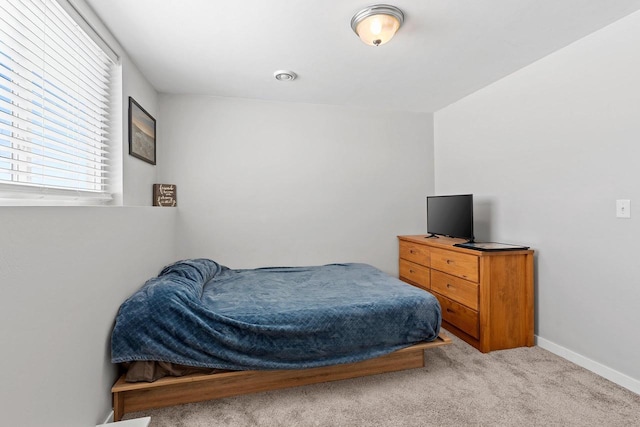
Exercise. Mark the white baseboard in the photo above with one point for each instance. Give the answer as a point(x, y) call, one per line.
point(109, 418)
point(595, 367)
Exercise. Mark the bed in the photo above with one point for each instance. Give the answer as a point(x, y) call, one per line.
point(267, 328)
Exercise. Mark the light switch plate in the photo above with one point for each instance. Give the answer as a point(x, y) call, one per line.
point(623, 208)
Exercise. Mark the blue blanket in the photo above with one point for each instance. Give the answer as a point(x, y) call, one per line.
point(199, 313)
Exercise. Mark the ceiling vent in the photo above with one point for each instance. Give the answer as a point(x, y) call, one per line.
point(285, 75)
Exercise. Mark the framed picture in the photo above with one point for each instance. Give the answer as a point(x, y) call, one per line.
point(142, 133)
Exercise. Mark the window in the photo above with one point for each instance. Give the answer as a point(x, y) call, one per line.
point(55, 105)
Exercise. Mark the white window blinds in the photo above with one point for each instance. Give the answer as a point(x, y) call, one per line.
point(55, 101)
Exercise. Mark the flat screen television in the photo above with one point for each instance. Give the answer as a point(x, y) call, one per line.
point(450, 216)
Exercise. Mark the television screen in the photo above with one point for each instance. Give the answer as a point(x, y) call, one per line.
point(450, 216)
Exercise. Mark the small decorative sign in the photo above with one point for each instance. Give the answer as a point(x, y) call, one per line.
point(164, 195)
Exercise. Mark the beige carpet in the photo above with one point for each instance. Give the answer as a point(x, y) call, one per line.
point(459, 387)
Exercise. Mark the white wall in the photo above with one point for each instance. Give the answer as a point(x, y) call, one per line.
point(547, 151)
point(138, 175)
point(64, 272)
point(264, 183)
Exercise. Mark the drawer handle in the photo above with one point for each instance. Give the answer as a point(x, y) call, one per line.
point(411, 271)
point(411, 251)
point(449, 261)
point(449, 285)
point(450, 311)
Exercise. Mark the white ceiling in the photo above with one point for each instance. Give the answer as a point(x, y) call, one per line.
point(445, 50)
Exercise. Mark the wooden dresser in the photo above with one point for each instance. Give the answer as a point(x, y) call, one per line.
point(486, 297)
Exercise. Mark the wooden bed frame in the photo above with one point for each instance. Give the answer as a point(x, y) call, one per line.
point(168, 391)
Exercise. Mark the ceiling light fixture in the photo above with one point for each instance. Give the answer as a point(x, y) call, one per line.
point(285, 75)
point(376, 25)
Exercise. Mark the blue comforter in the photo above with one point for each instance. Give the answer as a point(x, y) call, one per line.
point(199, 313)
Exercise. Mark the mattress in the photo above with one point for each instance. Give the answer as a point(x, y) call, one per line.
point(199, 313)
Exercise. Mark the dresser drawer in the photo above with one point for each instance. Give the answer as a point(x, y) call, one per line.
point(460, 316)
point(455, 288)
point(457, 264)
point(415, 253)
point(416, 273)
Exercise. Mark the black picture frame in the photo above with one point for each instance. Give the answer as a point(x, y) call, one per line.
point(142, 133)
